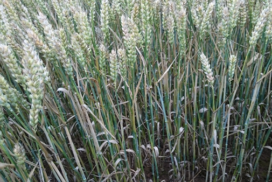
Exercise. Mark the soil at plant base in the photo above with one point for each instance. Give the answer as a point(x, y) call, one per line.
point(260, 175)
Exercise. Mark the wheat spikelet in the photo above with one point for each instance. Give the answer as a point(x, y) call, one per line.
point(207, 68)
point(146, 18)
point(242, 13)
point(122, 62)
point(19, 153)
point(36, 76)
point(131, 39)
point(83, 26)
point(181, 27)
point(102, 58)
point(205, 24)
point(232, 63)
point(113, 66)
point(104, 13)
point(259, 27)
point(11, 62)
point(14, 97)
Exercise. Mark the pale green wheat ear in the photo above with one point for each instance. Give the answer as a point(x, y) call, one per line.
point(6, 29)
point(79, 53)
point(117, 6)
point(102, 59)
point(135, 13)
point(242, 13)
point(224, 25)
point(256, 12)
point(131, 38)
point(36, 76)
point(48, 30)
point(232, 63)
point(11, 62)
point(83, 26)
point(50, 38)
point(19, 153)
point(259, 27)
point(55, 45)
point(59, 12)
point(206, 23)
point(122, 62)
point(197, 13)
point(4, 102)
point(11, 94)
point(250, 8)
point(171, 28)
point(181, 27)
point(113, 66)
point(234, 13)
point(165, 12)
point(104, 14)
point(207, 68)
point(145, 19)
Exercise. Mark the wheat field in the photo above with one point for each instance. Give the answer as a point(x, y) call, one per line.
point(135, 90)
